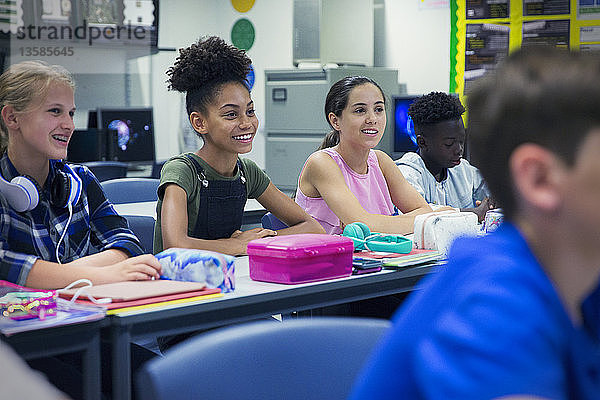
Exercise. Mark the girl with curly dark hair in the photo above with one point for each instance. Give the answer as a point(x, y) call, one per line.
point(202, 194)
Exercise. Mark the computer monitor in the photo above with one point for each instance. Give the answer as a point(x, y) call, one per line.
point(130, 134)
point(405, 139)
point(87, 145)
point(92, 119)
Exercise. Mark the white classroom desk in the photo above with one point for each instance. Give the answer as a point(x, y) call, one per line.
point(249, 301)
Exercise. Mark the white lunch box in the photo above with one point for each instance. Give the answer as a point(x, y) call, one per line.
point(437, 230)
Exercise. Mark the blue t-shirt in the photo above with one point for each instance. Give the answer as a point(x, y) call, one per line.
point(489, 324)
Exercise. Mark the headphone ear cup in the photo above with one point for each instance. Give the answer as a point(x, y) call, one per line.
point(59, 190)
point(366, 232)
point(22, 193)
point(65, 188)
point(356, 231)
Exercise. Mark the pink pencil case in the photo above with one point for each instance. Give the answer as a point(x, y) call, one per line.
point(300, 258)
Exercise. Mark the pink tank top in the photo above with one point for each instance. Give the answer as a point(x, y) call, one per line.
point(370, 189)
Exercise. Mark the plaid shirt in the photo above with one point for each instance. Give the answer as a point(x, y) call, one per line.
point(27, 236)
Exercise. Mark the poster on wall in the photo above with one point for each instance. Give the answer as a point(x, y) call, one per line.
point(590, 47)
point(547, 33)
point(588, 9)
point(589, 34)
point(486, 45)
point(102, 12)
point(11, 16)
point(483, 32)
point(546, 7)
point(484, 9)
point(56, 11)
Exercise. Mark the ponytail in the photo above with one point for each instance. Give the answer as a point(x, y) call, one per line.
point(330, 140)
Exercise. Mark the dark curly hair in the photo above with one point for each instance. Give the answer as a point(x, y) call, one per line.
point(435, 107)
point(203, 68)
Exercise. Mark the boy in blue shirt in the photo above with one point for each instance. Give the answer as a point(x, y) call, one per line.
point(517, 312)
point(438, 171)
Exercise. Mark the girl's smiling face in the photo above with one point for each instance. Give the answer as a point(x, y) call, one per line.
point(229, 123)
point(44, 132)
point(363, 120)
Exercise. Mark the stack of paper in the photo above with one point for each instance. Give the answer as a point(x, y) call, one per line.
point(396, 260)
point(133, 295)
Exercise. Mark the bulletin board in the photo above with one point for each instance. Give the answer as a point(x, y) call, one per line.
point(483, 32)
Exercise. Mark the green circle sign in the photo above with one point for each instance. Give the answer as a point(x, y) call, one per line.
point(242, 34)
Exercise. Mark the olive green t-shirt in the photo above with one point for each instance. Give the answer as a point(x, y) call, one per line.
point(180, 171)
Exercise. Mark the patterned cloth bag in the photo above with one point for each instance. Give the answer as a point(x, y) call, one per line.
point(215, 269)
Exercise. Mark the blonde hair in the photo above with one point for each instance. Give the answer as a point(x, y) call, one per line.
point(24, 84)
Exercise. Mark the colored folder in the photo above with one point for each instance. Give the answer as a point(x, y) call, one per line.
point(121, 308)
point(197, 294)
point(396, 260)
point(135, 290)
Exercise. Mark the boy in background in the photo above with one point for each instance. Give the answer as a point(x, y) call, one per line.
point(438, 171)
point(514, 314)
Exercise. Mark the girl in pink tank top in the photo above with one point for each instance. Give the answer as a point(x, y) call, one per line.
point(346, 180)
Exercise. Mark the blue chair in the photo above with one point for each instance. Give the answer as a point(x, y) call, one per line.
point(131, 190)
point(269, 221)
point(300, 359)
point(105, 170)
point(143, 227)
point(156, 168)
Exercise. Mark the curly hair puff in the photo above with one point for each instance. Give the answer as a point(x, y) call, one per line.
point(202, 68)
point(435, 107)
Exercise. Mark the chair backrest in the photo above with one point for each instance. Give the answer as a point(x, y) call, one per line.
point(156, 168)
point(303, 359)
point(269, 221)
point(143, 227)
point(131, 190)
point(105, 170)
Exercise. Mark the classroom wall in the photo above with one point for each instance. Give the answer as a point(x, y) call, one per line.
point(412, 39)
point(183, 22)
point(417, 44)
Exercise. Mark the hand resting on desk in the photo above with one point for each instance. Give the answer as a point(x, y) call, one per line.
point(141, 268)
point(108, 266)
point(240, 245)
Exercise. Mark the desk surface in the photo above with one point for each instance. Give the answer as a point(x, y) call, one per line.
point(250, 300)
point(249, 291)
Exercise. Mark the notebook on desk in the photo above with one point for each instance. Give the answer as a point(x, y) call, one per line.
point(150, 302)
point(396, 260)
point(135, 290)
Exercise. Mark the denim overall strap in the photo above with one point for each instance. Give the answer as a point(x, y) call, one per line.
point(221, 205)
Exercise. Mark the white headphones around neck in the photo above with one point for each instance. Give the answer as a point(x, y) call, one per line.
point(23, 193)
